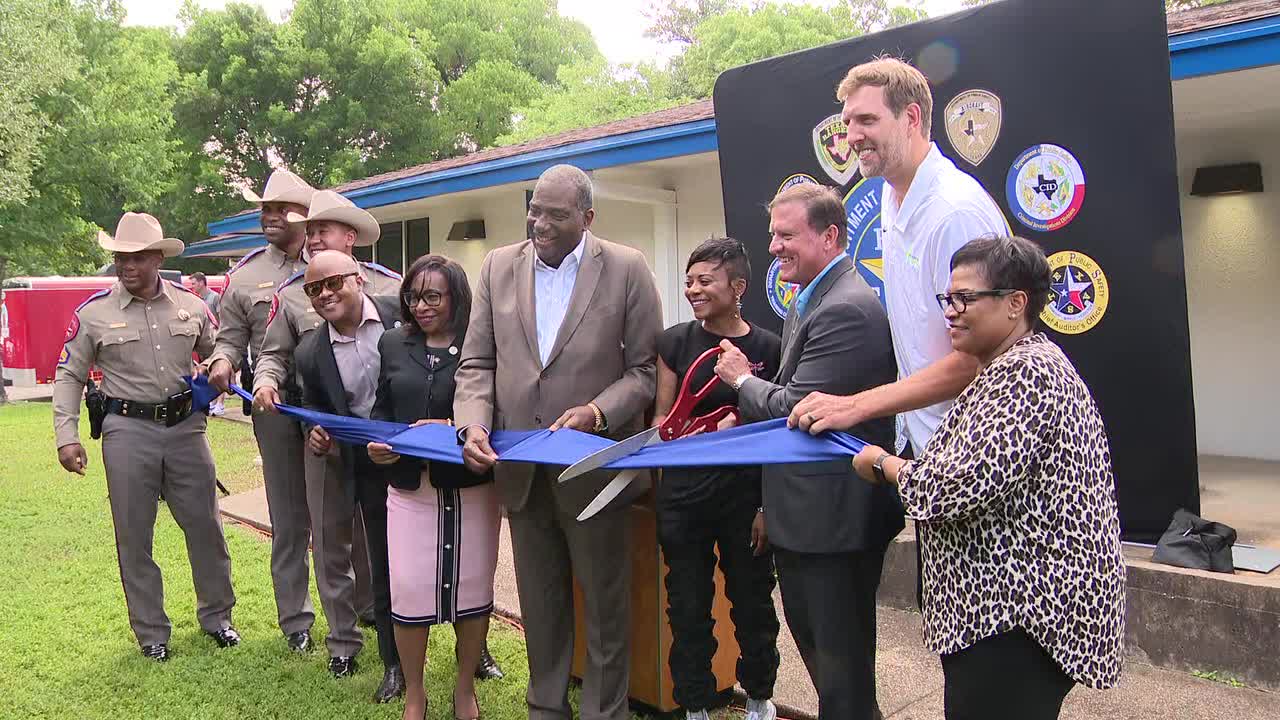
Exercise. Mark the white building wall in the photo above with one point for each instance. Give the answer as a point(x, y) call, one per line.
point(1232, 249)
point(503, 214)
point(700, 215)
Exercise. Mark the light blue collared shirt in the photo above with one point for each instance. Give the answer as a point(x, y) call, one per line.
point(802, 299)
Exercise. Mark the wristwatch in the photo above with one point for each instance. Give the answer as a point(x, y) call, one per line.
point(878, 467)
point(738, 381)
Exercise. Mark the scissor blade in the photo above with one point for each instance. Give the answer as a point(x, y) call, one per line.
point(610, 491)
point(600, 458)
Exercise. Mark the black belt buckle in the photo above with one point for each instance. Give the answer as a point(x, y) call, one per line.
point(175, 408)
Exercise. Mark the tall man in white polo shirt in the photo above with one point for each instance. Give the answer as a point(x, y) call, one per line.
point(930, 209)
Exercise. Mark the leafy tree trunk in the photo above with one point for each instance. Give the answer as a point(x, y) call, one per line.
point(4, 395)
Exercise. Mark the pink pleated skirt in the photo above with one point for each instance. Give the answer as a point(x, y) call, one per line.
point(443, 551)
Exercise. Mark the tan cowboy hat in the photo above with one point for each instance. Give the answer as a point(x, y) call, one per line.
point(329, 205)
point(282, 186)
point(137, 232)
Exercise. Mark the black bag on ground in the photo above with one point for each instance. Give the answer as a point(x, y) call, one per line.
point(1193, 542)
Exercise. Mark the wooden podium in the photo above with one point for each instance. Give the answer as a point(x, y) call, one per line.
point(650, 631)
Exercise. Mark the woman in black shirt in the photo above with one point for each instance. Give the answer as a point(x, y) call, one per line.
point(702, 508)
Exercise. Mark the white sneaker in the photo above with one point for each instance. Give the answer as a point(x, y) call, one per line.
point(761, 710)
point(700, 715)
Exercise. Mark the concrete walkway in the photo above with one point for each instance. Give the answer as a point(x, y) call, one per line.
point(909, 677)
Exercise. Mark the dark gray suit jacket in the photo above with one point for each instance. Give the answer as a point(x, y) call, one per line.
point(841, 346)
point(322, 388)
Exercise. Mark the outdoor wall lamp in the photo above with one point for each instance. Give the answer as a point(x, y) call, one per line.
point(1227, 179)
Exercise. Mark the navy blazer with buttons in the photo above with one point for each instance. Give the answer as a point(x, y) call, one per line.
point(410, 389)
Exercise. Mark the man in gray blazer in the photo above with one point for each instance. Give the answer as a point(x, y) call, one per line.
point(830, 529)
point(563, 334)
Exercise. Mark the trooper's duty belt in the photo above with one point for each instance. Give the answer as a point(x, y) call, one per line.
point(172, 411)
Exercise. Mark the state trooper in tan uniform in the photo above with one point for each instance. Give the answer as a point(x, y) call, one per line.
point(246, 303)
point(333, 223)
point(141, 334)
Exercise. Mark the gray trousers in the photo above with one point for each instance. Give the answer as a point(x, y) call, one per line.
point(551, 548)
point(143, 459)
point(281, 447)
point(332, 533)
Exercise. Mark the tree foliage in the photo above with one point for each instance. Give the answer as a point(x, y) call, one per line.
point(109, 146)
point(350, 88)
point(592, 93)
point(713, 36)
point(1169, 5)
point(36, 51)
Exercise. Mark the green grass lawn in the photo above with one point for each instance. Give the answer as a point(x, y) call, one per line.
point(235, 451)
point(66, 650)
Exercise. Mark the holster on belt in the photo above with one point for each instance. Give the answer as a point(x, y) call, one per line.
point(95, 402)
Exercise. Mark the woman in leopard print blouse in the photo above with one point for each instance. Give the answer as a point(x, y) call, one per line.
point(1019, 533)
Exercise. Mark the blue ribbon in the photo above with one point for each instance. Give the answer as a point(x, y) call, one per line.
point(762, 443)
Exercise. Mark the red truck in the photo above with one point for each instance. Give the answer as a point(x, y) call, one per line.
point(34, 315)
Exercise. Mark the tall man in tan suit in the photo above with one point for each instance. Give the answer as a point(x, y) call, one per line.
point(562, 335)
point(141, 334)
point(332, 223)
point(246, 302)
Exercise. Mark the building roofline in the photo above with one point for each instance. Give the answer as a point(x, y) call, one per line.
point(1206, 41)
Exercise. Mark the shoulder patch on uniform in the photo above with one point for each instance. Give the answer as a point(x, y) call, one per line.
point(383, 270)
point(246, 259)
point(73, 327)
point(275, 307)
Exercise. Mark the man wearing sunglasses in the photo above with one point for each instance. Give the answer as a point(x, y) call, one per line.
point(338, 367)
point(332, 223)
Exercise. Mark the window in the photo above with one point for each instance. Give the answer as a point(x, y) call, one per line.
point(389, 250)
point(419, 241)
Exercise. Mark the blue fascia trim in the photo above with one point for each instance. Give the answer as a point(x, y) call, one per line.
point(1239, 46)
point(641, 146)
point(240, 242)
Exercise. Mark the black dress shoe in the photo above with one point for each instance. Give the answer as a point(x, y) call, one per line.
point(342, 666)
point(159, 653)
point(299, 642)
point(392, 685)
point(487, 668)
point(226, 637)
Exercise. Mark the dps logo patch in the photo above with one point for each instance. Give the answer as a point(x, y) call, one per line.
point(831, 145)
point(796, 179)
point(862, 219)
point(973, 124)
point(1078, 293)
point(780, 293)
point(1045, 187)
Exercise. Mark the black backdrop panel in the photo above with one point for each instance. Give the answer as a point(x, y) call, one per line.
point(1088, 76)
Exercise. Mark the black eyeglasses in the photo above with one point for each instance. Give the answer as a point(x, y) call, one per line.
point(333, 283)
point(432, 298)
point(960, 301)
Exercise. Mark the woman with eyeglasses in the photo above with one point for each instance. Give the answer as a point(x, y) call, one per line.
point(442, 520)
point(1023, 578)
